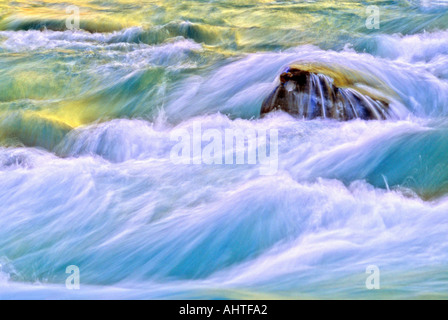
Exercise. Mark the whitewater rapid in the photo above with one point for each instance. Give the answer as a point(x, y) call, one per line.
point(224, 227)
point(86, 178)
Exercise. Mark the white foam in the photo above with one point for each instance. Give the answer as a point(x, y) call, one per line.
point(423, 47)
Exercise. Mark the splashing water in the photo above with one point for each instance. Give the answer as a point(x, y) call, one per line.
point(87, 116)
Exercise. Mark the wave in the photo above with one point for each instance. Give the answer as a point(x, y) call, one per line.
point(422, 47)
point(407, 156)
point(404, 157)
point(57, 23)
point(199, 33)
point(19, 128)
point(151, 77)
point(133, 234)
point(18, 41)
point(238, 88)
point(116, 141)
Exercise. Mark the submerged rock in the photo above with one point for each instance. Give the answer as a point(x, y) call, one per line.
point(315, 95)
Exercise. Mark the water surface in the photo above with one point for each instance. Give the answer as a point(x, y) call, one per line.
point(86, 177)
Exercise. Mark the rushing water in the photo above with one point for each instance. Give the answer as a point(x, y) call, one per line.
point(86, 177)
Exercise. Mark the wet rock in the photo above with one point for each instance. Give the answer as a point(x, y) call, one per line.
point(314, 95)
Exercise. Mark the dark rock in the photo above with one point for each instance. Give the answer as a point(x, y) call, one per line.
point(314, 95)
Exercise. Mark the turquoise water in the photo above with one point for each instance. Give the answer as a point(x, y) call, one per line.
point(86, 177)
